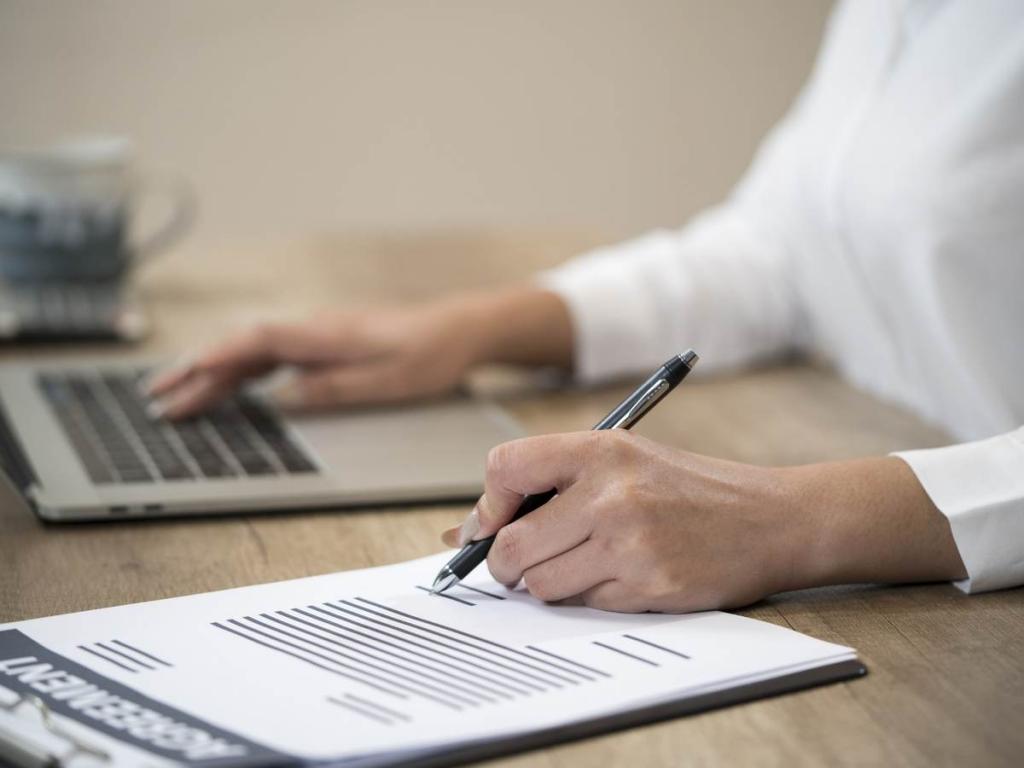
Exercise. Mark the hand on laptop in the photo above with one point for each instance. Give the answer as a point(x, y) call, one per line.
point(375, 355)
point(369, 356)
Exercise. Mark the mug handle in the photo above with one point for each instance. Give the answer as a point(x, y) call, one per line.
point(182, 214)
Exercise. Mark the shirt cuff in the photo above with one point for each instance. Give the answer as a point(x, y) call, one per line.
point(979, 486)
point(618, 327)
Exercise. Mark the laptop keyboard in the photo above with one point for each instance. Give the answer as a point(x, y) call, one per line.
point(105, 418)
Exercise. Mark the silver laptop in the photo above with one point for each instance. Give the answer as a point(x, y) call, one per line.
point(76, 439)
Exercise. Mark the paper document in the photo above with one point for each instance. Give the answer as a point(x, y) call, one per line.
point(367, 667)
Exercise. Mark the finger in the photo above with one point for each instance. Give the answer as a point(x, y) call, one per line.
point(196, 394)
point(613, 595)
point(169, 382)
point(451, 536)
point(251, 353)
point(532, 465)
point(164, 380)
point(568, 574)
point(562, 524)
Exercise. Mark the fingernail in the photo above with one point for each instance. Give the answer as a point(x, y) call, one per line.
point(470, 528)
point(287, 394)
point(156, 409)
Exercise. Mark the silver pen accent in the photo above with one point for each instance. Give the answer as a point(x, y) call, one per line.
point(641, 406)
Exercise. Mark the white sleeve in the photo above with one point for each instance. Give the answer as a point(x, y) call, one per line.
point(721, 285)
point(979, 486)
point(724, 285)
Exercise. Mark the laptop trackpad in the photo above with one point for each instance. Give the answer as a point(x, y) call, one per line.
point(437, 445)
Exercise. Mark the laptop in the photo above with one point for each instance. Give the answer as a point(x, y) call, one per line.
point(76, 440)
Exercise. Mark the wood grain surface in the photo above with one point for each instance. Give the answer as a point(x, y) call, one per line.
point(946, 682)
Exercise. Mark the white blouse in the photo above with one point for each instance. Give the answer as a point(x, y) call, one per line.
point(881, 226)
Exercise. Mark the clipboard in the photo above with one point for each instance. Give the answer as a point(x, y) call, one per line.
point(670, 710)
point(62, 748)
point(364, 669)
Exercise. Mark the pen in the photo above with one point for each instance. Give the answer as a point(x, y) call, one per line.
point(623, 416)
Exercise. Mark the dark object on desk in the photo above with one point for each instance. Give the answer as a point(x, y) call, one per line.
point(54, 311)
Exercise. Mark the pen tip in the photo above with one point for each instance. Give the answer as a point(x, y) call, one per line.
point(444, 580)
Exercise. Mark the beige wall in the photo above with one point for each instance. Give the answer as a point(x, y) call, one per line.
point(305, 116)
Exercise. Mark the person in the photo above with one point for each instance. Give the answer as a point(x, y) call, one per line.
point(880, 226)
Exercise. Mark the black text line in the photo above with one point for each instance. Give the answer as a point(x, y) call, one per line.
point(627, 653)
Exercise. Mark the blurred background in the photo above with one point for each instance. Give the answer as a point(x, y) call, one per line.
point(308, 116)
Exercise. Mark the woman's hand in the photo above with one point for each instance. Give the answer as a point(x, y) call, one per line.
point(375, 355)
point(637, 526)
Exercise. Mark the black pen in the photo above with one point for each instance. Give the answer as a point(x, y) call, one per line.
point(623, 416)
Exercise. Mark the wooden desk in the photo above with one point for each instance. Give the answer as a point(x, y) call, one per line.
point(946, 683)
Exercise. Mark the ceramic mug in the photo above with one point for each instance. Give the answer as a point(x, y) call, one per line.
point(66, 212)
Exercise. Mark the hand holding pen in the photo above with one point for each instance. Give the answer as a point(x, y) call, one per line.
point(623, 416)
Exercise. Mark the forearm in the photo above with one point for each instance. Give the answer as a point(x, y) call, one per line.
point(869, 520)
point(521, 325)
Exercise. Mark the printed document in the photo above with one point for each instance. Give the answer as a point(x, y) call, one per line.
point(364, 667)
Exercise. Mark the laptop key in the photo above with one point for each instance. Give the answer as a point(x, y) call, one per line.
point(230, 427)
point(210, 462)
point(169, 465)
point(292, 458)
point(179, 471)
point(93, 461)
point(215, 468)
point(126, 462)
point(255, 464)
point(138, 474)
point(295, 461)
point(97, 469)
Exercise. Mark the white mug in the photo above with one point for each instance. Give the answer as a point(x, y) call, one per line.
point(66, 211)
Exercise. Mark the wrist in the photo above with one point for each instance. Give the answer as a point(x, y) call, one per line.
point(797, 553)
point(471, 319)
point(814, 531)
point(868, 520)
point(524, 325)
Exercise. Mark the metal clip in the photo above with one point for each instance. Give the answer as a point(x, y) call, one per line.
point(24, 751)
point(642, 405)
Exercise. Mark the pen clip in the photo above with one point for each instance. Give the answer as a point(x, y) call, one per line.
point(642, 405)
point(44, 756)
